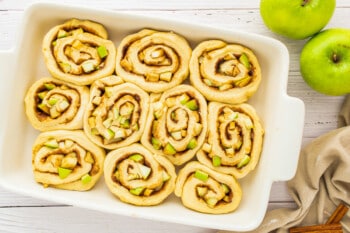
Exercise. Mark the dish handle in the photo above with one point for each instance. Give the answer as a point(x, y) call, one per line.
point(291, 128)
point(6, 63)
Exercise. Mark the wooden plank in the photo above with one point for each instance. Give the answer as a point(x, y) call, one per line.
point(67, 219)
point(151, 4)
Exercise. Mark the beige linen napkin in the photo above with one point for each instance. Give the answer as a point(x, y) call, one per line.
point(321, 182)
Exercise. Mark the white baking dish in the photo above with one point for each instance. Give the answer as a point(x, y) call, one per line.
point(282, 117)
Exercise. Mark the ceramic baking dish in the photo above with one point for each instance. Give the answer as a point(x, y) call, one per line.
point(281, 115)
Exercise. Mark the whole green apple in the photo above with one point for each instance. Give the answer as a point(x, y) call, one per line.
point(296, 19)
point(325, 62)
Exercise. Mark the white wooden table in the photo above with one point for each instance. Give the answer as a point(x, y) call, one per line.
point(25, 214)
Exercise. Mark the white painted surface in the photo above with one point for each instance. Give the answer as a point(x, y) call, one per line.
point(25, 214)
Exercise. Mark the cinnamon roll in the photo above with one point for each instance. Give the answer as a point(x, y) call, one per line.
point(66, 159)
point(138, 177)
point(154, 60)
point(235, 138)
point(52, 104)
point(176, 124)
point(79, 52)
point(116, 114)
point(222, 72)
point(207, 191)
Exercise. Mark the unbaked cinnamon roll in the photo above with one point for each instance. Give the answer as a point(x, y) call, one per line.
point(53, 104)
point(235, 138)
point(116, 114)
point(176, 124)
point(207, 191)
point(66, 159)
point(222, 72)
point(156, 61)
point(138, 177)
point(78, 51)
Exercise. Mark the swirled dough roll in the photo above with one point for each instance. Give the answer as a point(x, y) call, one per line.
point(176, 124)
point(79, 52)
point(205, 190)
point(235, 138)
point(66, 159)
point(138, 177)
point(116, 114)
point(222, 72)
point(53, 104)
point(156, 61)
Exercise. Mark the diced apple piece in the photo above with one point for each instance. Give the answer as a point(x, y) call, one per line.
point(88, 158)
point(169, 149)
point(148, 192)
point(165, 176)
point(230, 151)
point(176, 135)
point(212, 202)
point(94, 131)
point(203, 176)
point(156, 143)
point(166, 76)
point(77, 31)
point(63, 172)
point(96, 100)
point(225, 87)
point(52, 101)
point(197, 129)
point(192, 105)
point(66, 68)
point(245, 61)
point(244, 161)
point(108, 122)
point(85, 179)
point(243, 82)
point(171, 101)
point(88, 66)
point(206, 147)
point(102, 51)
point(69, 161)
point(108, 134)
point(62, 105)
point(137, 158)
point(49, 86)
point(53, 144)
point(144, 170)
point(54, 113)
point(225, 188)
point(192, 144)
point(201, 191)
point(137, 191)
point(184, 98)
point(42, 94)
point(152, 77)
point(216, 161)
point(61, 33)
point(126, 65)
point(43, 107)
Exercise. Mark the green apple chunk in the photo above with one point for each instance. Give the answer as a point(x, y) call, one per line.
point(102, 51)
point(296, 19)
point(216, 161)
point(192, 144)
point(137, 191)
point(85, 179)
point(64, 172)
point(244, 161)
point(137, 158)
point(156, 143)
point(203, 176)
point(325, 62)
point(169, 149)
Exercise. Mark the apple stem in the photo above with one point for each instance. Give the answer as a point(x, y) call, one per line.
point(305, 2)
point(335, 58)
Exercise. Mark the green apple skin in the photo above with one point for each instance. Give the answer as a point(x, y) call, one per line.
point(325, 62)
point(296, 19)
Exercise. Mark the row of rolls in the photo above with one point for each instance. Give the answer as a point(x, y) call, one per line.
point(125, 114)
